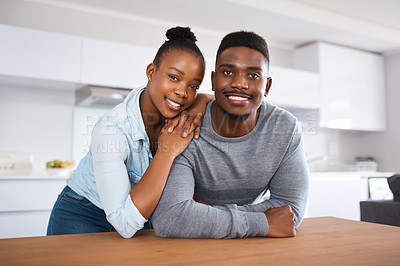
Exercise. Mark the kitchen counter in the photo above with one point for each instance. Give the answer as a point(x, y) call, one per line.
point(38, 175)
point(26, 203)
point(319, 241)
point(43, 176)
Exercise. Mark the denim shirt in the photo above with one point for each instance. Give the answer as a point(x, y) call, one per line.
point(118, 157)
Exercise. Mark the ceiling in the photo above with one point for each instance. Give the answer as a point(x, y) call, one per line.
point(364, 24)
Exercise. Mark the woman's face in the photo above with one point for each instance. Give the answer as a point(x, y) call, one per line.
point(173, 85)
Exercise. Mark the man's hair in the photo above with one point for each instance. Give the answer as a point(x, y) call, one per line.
point(246, 39)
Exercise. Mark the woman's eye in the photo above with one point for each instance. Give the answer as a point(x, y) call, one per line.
point(254, 75)
point(173, 77)
point(194, 87)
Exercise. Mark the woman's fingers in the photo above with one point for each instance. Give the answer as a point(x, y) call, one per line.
point(193, 123)
point(188, 123)
point(197, 125)
point(172, 123)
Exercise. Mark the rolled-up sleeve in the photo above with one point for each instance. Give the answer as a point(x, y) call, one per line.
point(109, 150)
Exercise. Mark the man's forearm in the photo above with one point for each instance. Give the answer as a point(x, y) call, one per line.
point(194, 220)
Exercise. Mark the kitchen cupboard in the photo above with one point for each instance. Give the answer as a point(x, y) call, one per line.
point(294, 88)
point(38, 54)
point(28, 53)
point(339, 194)
point(336, 194)
point(115, 64)
point(352, 85)
point(26, 203)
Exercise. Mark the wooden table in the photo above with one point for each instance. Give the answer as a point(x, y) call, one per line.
point(320, 241)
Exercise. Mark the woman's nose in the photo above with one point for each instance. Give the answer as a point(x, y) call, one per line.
point(181, 90)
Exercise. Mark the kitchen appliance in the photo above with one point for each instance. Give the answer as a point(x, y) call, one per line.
point(378, 188)
point(91, 95)
point(16, 163)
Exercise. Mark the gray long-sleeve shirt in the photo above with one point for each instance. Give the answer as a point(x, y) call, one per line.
point(230, 173)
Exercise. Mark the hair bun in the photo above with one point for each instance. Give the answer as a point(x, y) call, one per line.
point(180, 33)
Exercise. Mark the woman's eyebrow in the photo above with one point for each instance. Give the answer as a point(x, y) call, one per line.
point(178, 70)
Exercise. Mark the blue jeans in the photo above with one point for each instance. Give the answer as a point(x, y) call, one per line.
point(74, 214)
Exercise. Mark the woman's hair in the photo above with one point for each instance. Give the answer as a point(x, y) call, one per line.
point(180, 38)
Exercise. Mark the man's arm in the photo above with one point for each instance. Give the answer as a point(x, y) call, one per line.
point(178, 215)
point(289, 185)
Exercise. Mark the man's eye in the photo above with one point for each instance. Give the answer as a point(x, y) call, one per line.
point(194, 87)
point(228, 73)
point(254, 75)
point(173, 77)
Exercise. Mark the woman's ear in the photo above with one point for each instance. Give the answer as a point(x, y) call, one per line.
point(151, 68)
point(268, 86)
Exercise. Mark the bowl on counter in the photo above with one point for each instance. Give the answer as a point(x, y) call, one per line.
point(58, 171)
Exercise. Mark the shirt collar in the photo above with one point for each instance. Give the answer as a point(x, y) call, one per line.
point(134, 114)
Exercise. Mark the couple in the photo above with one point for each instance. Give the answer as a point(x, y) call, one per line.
point(214, 187)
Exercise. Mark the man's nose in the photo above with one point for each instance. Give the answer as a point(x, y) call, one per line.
point(240, 82)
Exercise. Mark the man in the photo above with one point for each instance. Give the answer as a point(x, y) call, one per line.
point(246, 147)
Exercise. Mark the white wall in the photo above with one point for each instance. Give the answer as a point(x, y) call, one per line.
point(36, 120)
point(332, 149)
point(338, 145)
point(385, 146)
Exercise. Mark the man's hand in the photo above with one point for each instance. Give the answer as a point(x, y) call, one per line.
point(280, 222)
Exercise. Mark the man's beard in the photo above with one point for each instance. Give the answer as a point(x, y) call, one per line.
point(238, 118)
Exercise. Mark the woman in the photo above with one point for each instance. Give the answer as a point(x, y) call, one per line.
point(118, 184)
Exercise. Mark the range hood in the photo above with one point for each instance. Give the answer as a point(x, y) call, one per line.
point(92, 95)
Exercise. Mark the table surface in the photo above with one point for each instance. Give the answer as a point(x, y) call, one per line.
point(319, 241)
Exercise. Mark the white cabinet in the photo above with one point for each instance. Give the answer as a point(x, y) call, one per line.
point(294, 88)
point(115, 64)
point(336, 194)
point(352, 85)
point(26, 203)
point(39, 54)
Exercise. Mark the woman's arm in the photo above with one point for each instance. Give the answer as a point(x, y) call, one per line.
point(173, 140)
point(147, 192)
point(126, 208)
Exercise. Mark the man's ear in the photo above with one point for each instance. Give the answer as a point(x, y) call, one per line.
point(268, 86)
point(212, 80)
point(151, 68)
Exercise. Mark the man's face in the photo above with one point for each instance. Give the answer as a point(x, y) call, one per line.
point(240, 81)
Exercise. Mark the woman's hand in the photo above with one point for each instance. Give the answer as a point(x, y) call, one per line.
point(193, 116)
point(174, 143)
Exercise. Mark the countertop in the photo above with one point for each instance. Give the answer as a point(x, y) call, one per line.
point(319, 241)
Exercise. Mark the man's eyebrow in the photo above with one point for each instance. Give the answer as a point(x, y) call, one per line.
point(255, 68)
point(180, 71)
point(225, 65)
point(250, 68)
